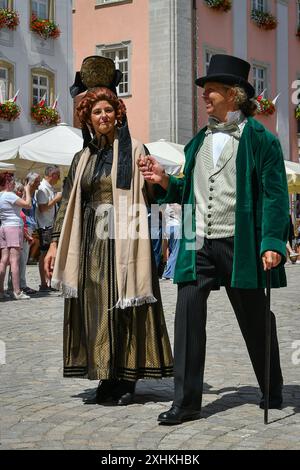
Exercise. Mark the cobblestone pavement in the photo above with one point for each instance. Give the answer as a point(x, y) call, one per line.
point(42, 410)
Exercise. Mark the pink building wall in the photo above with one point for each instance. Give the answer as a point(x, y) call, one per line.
point(147, 23)
point(215, 31)
point(294, 74)
point(112, 24)
point(209, 23)
point(262, 48)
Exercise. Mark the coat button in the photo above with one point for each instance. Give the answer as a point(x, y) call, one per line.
point(210, 198)
point(208, 233)
point(212, 180)
point(209, 216)
point(211, 189)
point(209, 207)
point(209, 224)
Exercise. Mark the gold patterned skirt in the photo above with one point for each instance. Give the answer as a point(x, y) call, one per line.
point(100, 341)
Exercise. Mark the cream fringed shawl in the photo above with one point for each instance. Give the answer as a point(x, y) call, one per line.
point(132, 242)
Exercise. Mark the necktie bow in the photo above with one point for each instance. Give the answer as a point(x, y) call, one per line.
point(230, 128)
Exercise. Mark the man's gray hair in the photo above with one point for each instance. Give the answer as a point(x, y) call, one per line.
point(19, 186)
point(31, 177)
point(246, 105)
point(50, 169)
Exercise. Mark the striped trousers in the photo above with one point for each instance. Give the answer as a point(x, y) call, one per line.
point(214, 261)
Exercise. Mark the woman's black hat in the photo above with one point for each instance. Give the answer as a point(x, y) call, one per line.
point(229, 70)
point(96, 71)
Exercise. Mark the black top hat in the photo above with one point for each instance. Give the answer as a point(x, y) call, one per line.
point(96, 71)
point(228, 70)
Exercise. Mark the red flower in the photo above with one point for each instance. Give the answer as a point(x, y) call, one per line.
point(44, 115)
point(44, 28)
point(9, 18)
point(9, 110)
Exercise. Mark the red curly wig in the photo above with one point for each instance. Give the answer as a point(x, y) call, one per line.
point(94, 95)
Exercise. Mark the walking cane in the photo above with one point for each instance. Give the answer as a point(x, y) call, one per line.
point(267, 346)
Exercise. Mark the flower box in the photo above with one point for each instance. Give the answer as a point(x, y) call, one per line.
point(9, 18)
point(9, 110)
point(263, 19)
point(221, 5)
point(297, 112)
point(265, 106)
point(45, 115)
point(44, 28)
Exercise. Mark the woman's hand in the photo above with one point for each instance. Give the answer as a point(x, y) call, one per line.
point(152, 171)
point(50, 260)
point(270, 260)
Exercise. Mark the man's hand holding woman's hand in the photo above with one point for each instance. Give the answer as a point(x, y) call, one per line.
point(152, 171)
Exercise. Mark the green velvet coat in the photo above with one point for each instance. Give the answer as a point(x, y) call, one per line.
point(262, 208)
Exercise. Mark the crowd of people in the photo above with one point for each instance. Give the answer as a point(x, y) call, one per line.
point(27, 213)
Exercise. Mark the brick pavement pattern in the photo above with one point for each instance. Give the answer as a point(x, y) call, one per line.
point(42, 410)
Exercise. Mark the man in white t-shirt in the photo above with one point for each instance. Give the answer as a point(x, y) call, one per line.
point(47, 199)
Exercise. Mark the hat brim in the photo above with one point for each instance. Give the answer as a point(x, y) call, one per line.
point(227, 80)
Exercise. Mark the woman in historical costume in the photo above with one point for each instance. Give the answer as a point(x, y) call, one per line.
point(114, 328)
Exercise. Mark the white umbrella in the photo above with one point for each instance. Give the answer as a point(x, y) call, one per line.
point(170, 155)
point(293, 176)
point(55, 145)
point(7, 167)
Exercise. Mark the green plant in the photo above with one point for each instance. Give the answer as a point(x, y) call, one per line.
point(297, 112)
point(45, 115)
point(44, 28)
point(9, 110)
point(265, 106)
point(9, 18)
point(223, 5)
point(264, 19)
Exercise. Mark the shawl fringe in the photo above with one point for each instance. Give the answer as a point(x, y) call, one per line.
point(68, 292)
point(135, 302)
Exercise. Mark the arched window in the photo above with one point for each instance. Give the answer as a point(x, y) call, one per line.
point(6, 4)
point(44, 9)
point(6, 80)
point(42, 86)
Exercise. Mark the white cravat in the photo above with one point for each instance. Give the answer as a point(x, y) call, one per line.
point(220, 139)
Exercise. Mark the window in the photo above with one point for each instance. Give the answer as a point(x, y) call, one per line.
point(44, 9)
point(6, 4)
point(120, 55)
point(102, 2)
point(259, 79)
point(40, 9)
point(258, 5)
point(208, 52)
point(3, 84)
point(208, 56)
point(6, 80)
point(42, 86)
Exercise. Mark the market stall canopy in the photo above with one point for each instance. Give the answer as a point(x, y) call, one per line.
point(169, 155)
point(7, 167)
point(55, 145)
point(293, 176)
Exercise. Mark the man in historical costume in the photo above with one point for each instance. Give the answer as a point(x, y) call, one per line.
point(235, 203)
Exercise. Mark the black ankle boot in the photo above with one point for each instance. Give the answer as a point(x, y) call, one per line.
point(105, 390)
point(123, 394)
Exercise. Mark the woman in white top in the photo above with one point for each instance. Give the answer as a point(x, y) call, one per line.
point(11, 232)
